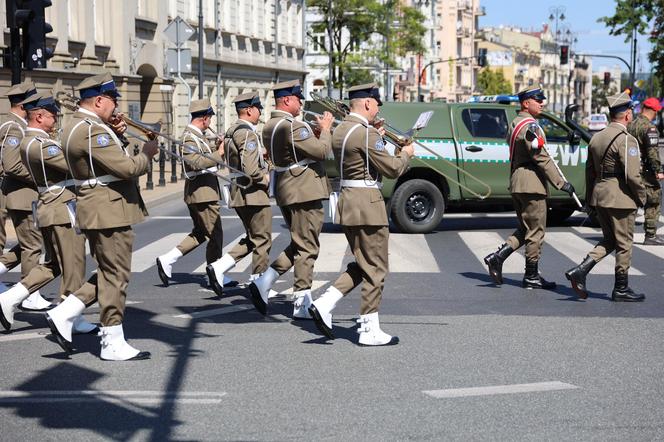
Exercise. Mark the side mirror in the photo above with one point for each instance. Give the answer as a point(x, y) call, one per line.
point(574, 138)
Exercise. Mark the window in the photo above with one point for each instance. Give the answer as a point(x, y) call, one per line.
point(553, 131)
point(318, 43)
point(485, 123)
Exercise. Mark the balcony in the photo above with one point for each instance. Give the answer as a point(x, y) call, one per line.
point(480, 11)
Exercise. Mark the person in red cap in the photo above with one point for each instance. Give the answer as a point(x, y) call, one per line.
point(651, 168)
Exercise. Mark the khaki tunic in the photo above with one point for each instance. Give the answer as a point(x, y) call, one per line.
point(361, 210)
point(105, 212)
point(615, 189)
point(12, 257)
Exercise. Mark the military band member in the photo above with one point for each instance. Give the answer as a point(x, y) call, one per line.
point(614, 189)
point(301, 186)
point(108, 203)
point(244, 151)
point(646, 133)
point(530, 169)
point(363, 161)
point(201, 191)
point(65, 250)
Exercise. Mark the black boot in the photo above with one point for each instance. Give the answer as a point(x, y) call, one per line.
point(495, 262)
point(533, 280)
point(577, 276)
point(622, 292)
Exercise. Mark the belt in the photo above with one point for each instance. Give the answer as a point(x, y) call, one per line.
point(294, 165)
point(104, 179)
point(361, 183)
point(613, 175)
point(209, 170)
point(57, 186)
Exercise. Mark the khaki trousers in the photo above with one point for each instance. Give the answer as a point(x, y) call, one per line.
point(3, 220)
point(111, 249)
point(257, 221)
point(66, 255)
point(305, 222)
point(618, 230)
point(531, 213)
point(29, 247)
point(12, 257)
point(369, 245)
point(207, 227)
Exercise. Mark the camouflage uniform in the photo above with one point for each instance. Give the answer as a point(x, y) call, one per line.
point(646, 133)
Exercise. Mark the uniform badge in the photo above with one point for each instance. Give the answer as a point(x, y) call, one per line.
point(633, 151)
point(380, 145)
point(304, 133)
point(12, 141)
point(103, 140)
point(53, 150)
point(251, 145)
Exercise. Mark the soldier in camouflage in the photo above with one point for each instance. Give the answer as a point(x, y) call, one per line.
point(645, 131)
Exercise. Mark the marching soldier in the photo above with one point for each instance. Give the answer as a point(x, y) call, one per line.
point(65, 250)
point(363, 161)
point(301, 186)
point(614, 190)
point(19, 192)
point(646, 133)
point(531, 168)
point(108, 203)
point(244, 151)
point(201, 191)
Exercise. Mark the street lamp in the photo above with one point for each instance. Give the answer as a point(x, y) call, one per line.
point(557, 17)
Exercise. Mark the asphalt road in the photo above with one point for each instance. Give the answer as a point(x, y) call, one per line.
point(592, 369)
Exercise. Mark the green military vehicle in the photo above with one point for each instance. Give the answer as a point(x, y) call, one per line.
point(466, 163)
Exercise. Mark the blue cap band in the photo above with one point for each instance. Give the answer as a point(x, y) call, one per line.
point(535, 93)
point(47, 103)
point(107, 88)
point(254, 102)
point(366, 93)
point(203, 113)
point(295, 90)
point(15, 99)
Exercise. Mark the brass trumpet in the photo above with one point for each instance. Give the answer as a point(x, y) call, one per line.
point(400, 139)
point(151, 131)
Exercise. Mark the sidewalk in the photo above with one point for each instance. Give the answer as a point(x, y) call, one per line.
point(152, 198)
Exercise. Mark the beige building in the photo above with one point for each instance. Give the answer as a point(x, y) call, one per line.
point(249, 45)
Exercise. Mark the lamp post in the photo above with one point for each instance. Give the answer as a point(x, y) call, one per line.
point(556, 17)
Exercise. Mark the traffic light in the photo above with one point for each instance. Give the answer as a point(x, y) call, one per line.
point(564, 54)
point(35, 28)
point(607, 79)
point(481, 57)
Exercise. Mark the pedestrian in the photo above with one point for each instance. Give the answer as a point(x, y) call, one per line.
point(108, 203)
point(614, 190)
point(244, 151)
point(647, 135)
point(530, 169)
point(65, 250)
point(301, 186)
point(201, 191)
point(19, 192)
point(363, 161)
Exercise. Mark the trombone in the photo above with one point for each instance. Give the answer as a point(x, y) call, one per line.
point(151, 131)
point(400, 139)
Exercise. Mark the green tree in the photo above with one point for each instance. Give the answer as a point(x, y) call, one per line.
point(490, 82)
point(599, 94)
point(641, 16)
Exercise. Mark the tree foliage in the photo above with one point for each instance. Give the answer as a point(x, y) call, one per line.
point(493, 82)
point(599, 94)
point(353, 23)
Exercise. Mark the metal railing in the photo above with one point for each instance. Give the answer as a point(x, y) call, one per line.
point(161, 162)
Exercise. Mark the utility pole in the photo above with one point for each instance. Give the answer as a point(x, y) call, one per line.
point(201, 42)
point(330, 67)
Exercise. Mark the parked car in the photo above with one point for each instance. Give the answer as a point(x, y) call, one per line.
point(597, 122)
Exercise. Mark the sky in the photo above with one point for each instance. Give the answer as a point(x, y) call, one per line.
point(581, 18)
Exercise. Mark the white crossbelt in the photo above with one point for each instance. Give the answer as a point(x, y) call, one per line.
point(57, 186)
point(361, 183)
point(212, 169)
point(234, 175)
point(104, 179)
point(301, 163)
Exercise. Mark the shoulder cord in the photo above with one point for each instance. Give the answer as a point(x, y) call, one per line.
point(198, 146)
point(41, 158)
point(306, 166)
point(343, 150)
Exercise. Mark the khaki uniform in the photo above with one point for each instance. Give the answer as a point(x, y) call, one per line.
point(615, 189)
point(648, 137)
point(530, 170)
point(201, 194)
point(361, 209)
point(108, 203)
point(12, 257)
point(244, 151)
point(301, 186)
point(65, 250)
point(20, 192)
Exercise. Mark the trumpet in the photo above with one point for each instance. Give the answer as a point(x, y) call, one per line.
point(151, 132)
point(400, 139)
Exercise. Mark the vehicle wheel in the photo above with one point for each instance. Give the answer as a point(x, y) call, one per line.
point(417, 206)
point(556, 217)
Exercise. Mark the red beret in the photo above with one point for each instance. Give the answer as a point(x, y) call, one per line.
point(653, 103)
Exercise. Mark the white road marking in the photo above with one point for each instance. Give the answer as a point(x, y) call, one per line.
point(575, 248)
point(411, 254)
point(482, 243)
point(144, 258)
point(499, 389)
point(215, 312)
point(333, 247)
point(242, 265)
point(315, 285)
point(112, 396)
